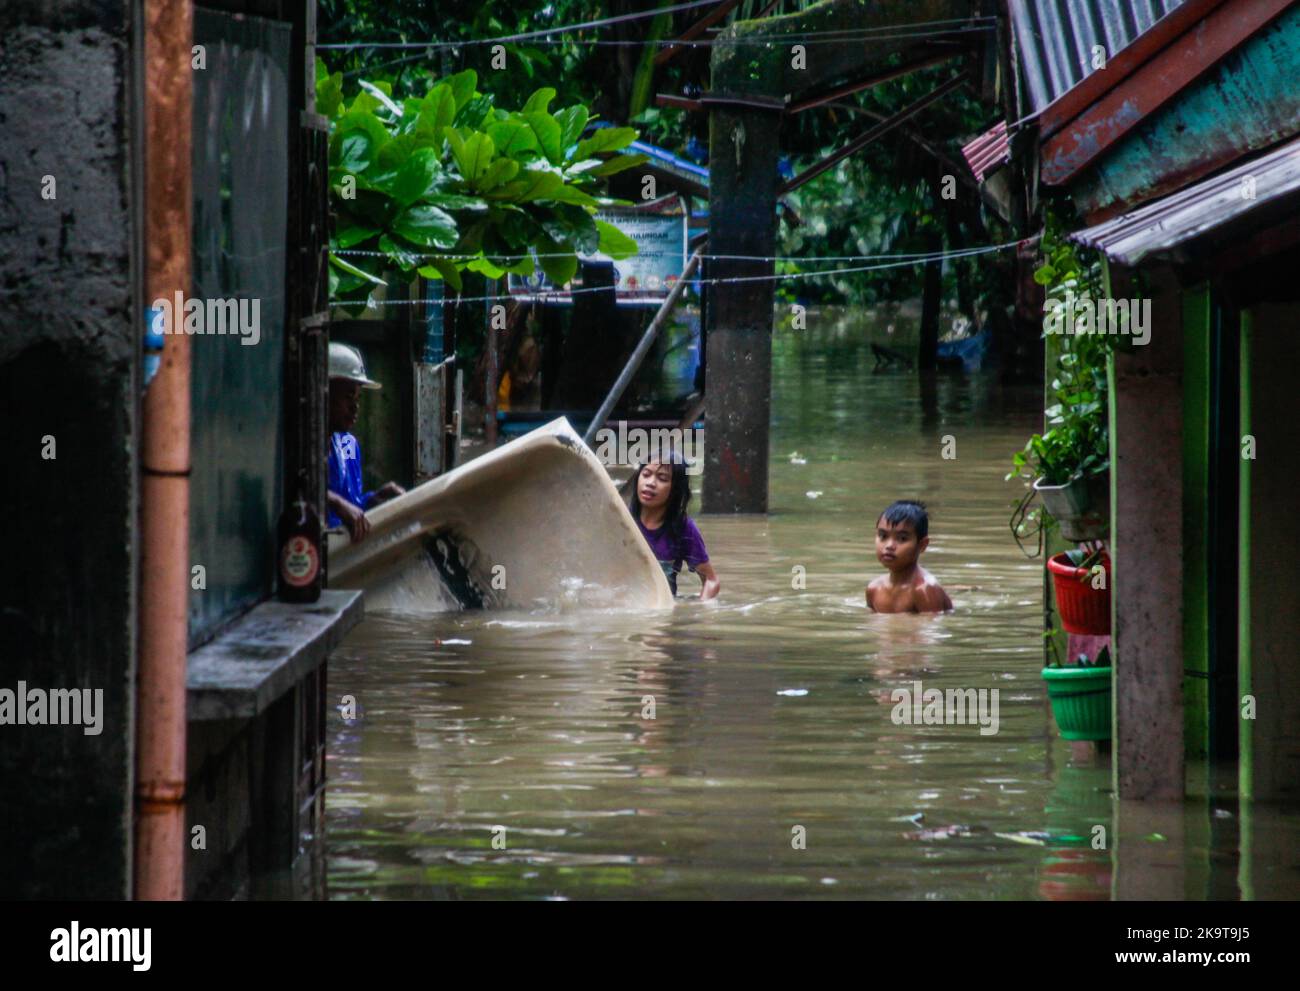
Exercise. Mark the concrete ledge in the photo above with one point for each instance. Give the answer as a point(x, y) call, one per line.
point(240, 673)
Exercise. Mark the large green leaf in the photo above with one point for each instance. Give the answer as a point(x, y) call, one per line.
point(437, 268)
point(437, 111)
point(350, 236)
point(534, 184)
point(571, 120)
point(473, 113)
point(473, 154)
point(605, 139)
point(364, 122)
point(539, 101)
point(570, 194)
point(502, 170)
point(485, 267)
point(417, 176)
point(385, 99)
point(580, 168)
point(573, 226)
point(395, 154)
point(558, 266)
point(329, 90)
point(548, 135)
point(427, 225)
point(462, 86)
point(456, 201)
point(620, 162)
point(354, 271)
point(513, 138)
point(350, 152)
point(613, 242)
point(405, 257)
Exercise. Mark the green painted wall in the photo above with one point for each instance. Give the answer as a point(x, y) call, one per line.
point(1196, 483)
point(1270, 537)
point(1244, 684)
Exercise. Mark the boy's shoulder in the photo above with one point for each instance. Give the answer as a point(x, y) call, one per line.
point(928, 589)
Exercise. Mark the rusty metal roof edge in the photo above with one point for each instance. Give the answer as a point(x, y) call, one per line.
point(1055, 38)
point(1189, 213)
point(989, 151)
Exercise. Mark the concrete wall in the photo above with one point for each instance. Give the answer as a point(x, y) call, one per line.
point(1146, 417)
point(69, 340)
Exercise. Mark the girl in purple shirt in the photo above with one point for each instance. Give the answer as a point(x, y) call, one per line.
point(660, 493)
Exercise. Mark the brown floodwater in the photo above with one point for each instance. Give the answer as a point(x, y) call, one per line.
point(510, 754)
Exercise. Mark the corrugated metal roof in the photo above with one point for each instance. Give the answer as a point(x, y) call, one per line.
point(1055, 38)
point(989, 151)
point(1198, 209)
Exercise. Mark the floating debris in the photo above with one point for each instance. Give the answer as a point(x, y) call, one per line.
point(945, 833)
point(1039, 838)
point(793, 692)
point(916, 818)
point(813, 494)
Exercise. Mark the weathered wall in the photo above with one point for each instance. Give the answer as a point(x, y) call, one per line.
point(1146, 417)
point(68, 371)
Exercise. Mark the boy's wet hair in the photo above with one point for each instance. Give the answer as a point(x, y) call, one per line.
point(908, 511)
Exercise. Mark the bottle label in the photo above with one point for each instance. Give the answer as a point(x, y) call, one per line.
point(300, 562)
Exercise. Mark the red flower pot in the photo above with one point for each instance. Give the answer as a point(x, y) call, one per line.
point(1083, 609)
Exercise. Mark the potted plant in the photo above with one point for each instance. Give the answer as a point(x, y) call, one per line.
point(1080, 696)
point(1082, 592)
point(1069, 462)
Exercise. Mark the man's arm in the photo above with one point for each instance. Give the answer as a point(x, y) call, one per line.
point(353, 517)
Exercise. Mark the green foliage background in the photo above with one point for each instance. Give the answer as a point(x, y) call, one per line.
point(883, 200)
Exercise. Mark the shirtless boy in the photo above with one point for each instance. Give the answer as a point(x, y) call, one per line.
point(902, 533)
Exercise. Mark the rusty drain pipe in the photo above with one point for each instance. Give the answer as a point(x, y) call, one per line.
point(164, 464)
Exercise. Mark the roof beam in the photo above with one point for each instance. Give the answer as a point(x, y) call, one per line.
point(875, 80)
point(697, 29)
point(872, 133)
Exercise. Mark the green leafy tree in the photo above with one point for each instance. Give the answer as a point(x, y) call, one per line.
point(449, 182)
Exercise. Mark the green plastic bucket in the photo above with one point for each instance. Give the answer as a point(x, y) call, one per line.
point(1080, 701)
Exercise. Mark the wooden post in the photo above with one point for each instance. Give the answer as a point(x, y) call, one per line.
point(743, 147)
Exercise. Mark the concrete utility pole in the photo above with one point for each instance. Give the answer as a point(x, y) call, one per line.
point(753, 84)
point(743, 148)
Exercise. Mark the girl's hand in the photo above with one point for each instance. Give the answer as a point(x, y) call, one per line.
point(710, 579)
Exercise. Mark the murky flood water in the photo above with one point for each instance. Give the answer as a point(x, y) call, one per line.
point(772, 767)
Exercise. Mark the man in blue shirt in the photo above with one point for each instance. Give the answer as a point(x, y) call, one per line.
point(347, 501)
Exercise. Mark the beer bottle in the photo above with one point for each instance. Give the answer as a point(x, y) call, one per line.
point(301, 574)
